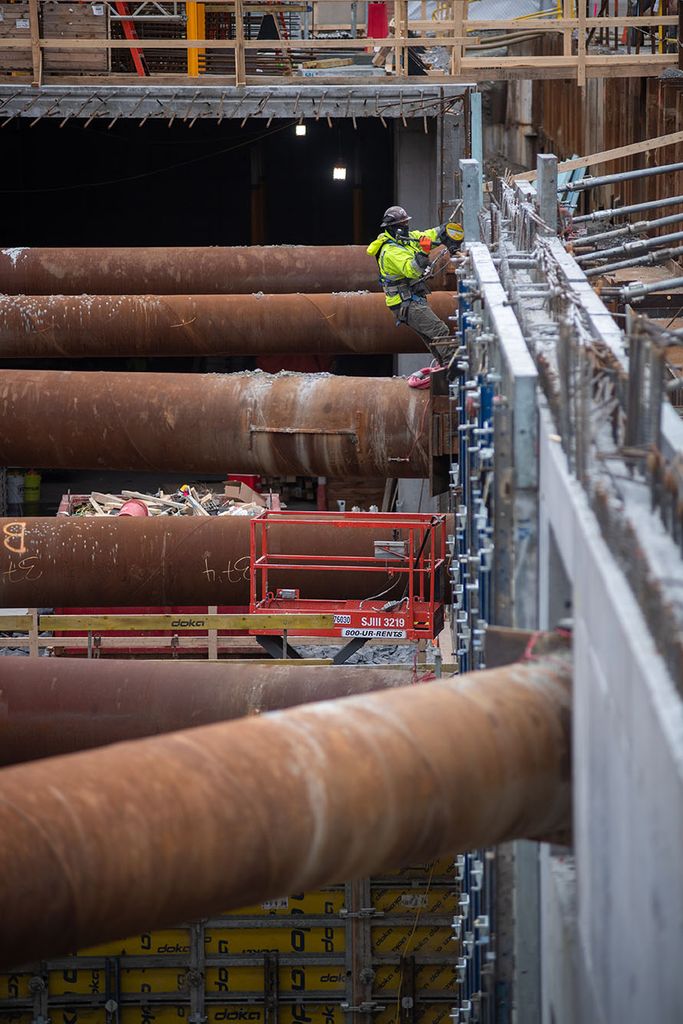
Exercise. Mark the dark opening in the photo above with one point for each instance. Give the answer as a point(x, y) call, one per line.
point(207, 185)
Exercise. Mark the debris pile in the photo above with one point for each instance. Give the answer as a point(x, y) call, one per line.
point(237, 499)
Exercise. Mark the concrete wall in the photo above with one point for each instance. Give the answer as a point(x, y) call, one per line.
point(611, 948)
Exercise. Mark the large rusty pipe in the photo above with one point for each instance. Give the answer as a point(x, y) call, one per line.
point(59, 326)
point(190, 270)
point(135, 836)
point(277, 424)
point(107, 562)
point(51, 706)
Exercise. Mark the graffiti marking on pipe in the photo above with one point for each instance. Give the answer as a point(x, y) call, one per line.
point(25, 571)
point(234, 572)
point(15, 537)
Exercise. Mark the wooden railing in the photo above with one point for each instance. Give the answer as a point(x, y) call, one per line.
point(639, 45)
point(96, 631)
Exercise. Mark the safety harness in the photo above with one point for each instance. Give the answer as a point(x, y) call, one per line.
point(393, 285)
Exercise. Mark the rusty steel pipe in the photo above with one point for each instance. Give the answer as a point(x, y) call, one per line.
point(62, 326)
point(277, 424)
point(191, 270)
point(51, 706)
point(107, 562)
point(142, 835)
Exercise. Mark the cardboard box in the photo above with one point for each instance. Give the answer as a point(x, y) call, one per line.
point(236, 491)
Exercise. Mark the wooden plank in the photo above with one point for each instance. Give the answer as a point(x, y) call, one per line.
point(567, 22)
point(240, 53)
point(16, 43)
point(458, 32)
point(568, 10)
point(36, 52)
point(213, 635)
point(15, 623)
point(33, 635)
point(607, 155)
point(201, 622)
point(581, 47)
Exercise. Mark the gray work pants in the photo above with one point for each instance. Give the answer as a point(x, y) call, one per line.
point(424, 322)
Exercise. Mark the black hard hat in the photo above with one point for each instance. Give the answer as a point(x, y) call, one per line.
point(395, 215)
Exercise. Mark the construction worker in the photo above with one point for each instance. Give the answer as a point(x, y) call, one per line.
point(402, 258)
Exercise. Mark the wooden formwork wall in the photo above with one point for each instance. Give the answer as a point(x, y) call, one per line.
point(80, 21)
point(610, 113)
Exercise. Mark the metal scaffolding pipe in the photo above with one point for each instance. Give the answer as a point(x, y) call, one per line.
point(54, 706)
point(142, 835)
point(638, 291)
point(650, 259)
point(56, 326)
point(623, 211)
point(191, 270)
point(642, 245)
point(184, 561)
point(276, 424)
point(641, 227)
point(611, 179)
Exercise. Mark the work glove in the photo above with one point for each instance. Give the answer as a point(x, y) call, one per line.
point(422, 260)
point(426, 244)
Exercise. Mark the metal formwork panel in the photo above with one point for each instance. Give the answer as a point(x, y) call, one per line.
point(378, 951)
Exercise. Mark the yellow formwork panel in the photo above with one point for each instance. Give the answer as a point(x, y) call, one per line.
point(257, 941)
point(307, 978)
point(325, 901)
point(425, 1013)
point(407, 901)
point(172, 940)
point(417, 892)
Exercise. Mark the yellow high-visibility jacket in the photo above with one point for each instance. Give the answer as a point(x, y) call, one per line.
point(398, 270)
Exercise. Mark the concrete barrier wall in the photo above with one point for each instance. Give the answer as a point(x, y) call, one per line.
point(622, 931)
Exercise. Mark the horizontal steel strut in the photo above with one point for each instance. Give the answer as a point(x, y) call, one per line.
point(142, 835)
point(56, 326)
point(280, 425)
point(190, 270)
point(58, 705)
point(183, 561)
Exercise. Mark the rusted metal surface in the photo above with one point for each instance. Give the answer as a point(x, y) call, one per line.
point(276, 424)
point(54, 326)
point(51, 706)
point(190, 270)
point(142, 835)
point(111, 561)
